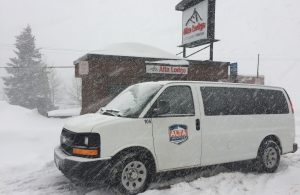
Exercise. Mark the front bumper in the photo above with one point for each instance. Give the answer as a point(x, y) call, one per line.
point(78, 168)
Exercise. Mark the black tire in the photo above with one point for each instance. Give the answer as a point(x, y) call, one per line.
point(131, 174)
point(268, 157)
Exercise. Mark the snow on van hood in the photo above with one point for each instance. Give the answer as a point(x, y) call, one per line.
point(85, 123)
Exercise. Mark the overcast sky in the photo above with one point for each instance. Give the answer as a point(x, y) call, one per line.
point(67, 29)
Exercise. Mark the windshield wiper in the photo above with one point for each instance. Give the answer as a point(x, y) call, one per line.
point(110, 112)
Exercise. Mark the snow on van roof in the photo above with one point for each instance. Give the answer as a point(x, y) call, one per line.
point(220, 83)
point(135, 50)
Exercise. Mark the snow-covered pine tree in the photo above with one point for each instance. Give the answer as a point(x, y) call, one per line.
point(27, 84)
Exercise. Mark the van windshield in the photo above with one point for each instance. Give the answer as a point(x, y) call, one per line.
point(131, 102)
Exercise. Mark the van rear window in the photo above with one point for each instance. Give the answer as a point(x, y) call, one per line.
point(242, 101)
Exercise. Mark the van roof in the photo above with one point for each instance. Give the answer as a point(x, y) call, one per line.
point(220, 83)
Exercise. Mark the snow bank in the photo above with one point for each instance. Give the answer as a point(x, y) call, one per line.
point(64, 112)
point(135, 50)
point(284, 181)
point(27, 140)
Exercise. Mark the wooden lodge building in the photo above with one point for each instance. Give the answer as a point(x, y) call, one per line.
point(107, 72)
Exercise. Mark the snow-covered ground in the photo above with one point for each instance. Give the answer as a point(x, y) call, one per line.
point(26, 166)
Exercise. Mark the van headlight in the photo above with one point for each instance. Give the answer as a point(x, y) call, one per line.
point(86, 145)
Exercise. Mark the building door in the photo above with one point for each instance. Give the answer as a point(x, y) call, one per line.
point(176, 132)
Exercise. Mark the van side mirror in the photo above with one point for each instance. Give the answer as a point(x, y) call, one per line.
point(163, 107)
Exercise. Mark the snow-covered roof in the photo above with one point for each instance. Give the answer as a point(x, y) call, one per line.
point(170, 62)
point(135, 50)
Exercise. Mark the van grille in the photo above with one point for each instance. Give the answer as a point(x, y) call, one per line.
point(66, 140)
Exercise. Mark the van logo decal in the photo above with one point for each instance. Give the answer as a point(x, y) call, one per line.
point(178, 133)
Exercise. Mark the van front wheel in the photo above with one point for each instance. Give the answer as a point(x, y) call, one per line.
point(269, 157)
point(131, 174)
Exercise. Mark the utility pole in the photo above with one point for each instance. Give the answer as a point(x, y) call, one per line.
point(211, 51)
point(258, 56)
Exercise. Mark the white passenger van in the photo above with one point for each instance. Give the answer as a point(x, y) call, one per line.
point(170, 125)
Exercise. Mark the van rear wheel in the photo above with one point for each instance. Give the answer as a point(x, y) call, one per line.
point(268, 157)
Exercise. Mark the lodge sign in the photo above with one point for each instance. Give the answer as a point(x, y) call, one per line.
point(162, 69)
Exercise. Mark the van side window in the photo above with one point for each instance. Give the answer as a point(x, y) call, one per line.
point(180, 99)
point(242, 101)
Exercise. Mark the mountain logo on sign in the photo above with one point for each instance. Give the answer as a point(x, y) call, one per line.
point(194, 23)
point(154, 69)
point(195, 18)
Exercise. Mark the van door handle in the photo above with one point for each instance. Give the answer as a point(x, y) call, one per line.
point(197, 124)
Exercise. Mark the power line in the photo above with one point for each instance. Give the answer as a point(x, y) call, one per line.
point(47, 67)
point(50, 48)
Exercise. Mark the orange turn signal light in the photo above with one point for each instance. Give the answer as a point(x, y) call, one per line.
point(85, 152)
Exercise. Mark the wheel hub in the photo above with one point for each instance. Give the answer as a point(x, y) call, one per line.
point(132, 174)
point(270, 157)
